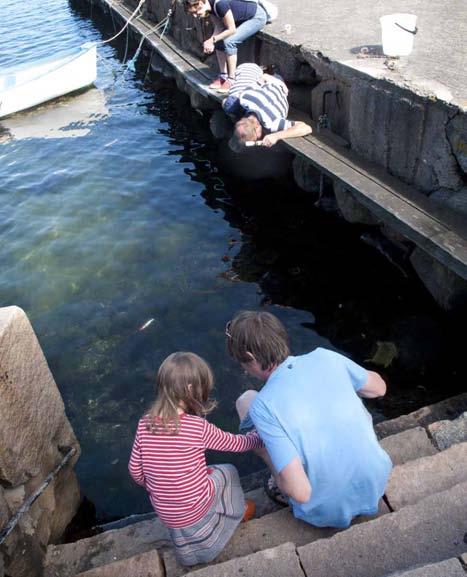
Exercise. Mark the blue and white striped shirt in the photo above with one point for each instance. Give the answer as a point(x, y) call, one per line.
point(266, 99)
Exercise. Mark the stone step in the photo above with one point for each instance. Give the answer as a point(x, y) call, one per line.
point(430, 531)
point(147, 564)
point(426, 533)
point(69, 559)
point(266, 533)
point(413, 481)
point(448, 568)
point(126, 540)
point(448, 409)
point(447, 433)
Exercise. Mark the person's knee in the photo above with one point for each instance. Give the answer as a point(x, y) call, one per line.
point(230, 47)
point(244, 401)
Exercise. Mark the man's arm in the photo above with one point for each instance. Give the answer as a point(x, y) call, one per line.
point(373, 388)
point(292, 481)
point(298, 128)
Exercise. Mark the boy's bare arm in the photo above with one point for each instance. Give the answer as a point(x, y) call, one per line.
point(293, 481)
point(299, 128)
point(374, 387)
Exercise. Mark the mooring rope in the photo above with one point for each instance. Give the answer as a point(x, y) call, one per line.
point(136, 10)
point(37, 493)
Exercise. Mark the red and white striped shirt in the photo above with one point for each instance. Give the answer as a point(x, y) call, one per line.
point(173, 468)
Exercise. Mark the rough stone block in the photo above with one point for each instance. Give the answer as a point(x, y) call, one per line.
point(408, 445)
point(14, 498)
point(394, 426)
point(278, 562)
point(456, 131)
point(332, 97)
point(448, 409)
point(352, 210)
point(369, 121)
point(447, 288)
point(447, 433)
point(71, 558)
point(4, 510)
point(30, 403)
point(454, 202)
point(67, 497)
point(147, 564)
point(448, 568)
point(428, 532)
point(306, 176)
point(437, 166)
point(417, 479)
point(405, 133)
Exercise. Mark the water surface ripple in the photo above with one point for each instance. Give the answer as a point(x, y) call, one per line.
point(115, 209)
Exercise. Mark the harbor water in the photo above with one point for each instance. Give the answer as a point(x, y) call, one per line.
point(124, 238)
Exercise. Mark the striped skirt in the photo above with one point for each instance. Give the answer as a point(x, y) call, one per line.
point(203, 541)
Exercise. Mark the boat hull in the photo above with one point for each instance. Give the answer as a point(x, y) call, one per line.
point(27, 86)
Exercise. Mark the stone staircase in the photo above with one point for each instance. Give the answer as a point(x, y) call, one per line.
point(420, 529)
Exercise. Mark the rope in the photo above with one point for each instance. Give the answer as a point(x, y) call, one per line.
point(35, 495)
point(163, 23)
point(141, 2)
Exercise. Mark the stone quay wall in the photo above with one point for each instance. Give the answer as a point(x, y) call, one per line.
point(35, 434)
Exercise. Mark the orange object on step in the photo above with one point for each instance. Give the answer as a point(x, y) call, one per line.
point(250, 510)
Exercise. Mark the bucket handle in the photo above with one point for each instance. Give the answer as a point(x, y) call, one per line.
point(406, 29)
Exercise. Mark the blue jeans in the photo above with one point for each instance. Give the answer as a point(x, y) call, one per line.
point(244, 31)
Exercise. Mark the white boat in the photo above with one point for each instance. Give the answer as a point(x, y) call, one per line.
point(25, 86)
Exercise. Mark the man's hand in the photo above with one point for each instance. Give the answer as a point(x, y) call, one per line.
point(270, 139)
point(208, 46)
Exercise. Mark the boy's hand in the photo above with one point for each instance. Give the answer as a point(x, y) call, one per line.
point(270, 140)
point(208, 46)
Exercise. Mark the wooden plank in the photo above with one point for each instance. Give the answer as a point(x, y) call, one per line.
point(407, 210)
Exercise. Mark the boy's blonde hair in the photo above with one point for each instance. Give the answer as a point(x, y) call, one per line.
point(184, 380)
point(259, 333)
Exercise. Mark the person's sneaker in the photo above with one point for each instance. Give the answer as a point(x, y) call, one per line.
point(225, 86)
point(273, 492)
point(250, 510)
point(218, 82)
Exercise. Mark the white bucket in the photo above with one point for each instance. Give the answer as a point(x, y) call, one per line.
point(398, 31)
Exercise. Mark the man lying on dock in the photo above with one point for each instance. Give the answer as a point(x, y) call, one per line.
point(259, 103)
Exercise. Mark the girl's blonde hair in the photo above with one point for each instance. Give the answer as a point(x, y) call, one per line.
point(184, 380)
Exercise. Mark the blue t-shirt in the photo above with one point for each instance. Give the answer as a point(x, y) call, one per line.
point(242, 10)
point(309, 409)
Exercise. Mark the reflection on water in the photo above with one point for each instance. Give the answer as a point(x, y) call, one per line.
point(136, 220)
point(67, 117)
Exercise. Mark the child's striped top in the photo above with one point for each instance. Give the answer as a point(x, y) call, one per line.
point(173, 468)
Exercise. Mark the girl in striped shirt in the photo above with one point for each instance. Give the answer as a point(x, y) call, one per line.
point(200, 505)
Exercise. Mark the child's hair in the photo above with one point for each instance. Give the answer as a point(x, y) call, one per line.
point(184, 380)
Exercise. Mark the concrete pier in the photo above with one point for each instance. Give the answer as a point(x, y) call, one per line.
point(393, 141)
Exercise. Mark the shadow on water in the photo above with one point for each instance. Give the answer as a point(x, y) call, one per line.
point(141, 219)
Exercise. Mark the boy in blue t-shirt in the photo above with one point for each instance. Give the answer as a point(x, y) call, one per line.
point(319, 437)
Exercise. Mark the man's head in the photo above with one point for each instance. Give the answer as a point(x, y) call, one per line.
point(257, 339)
point(246, 129)
point(197, 8)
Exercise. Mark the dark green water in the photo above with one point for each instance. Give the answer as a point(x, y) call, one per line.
point(125, 214)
